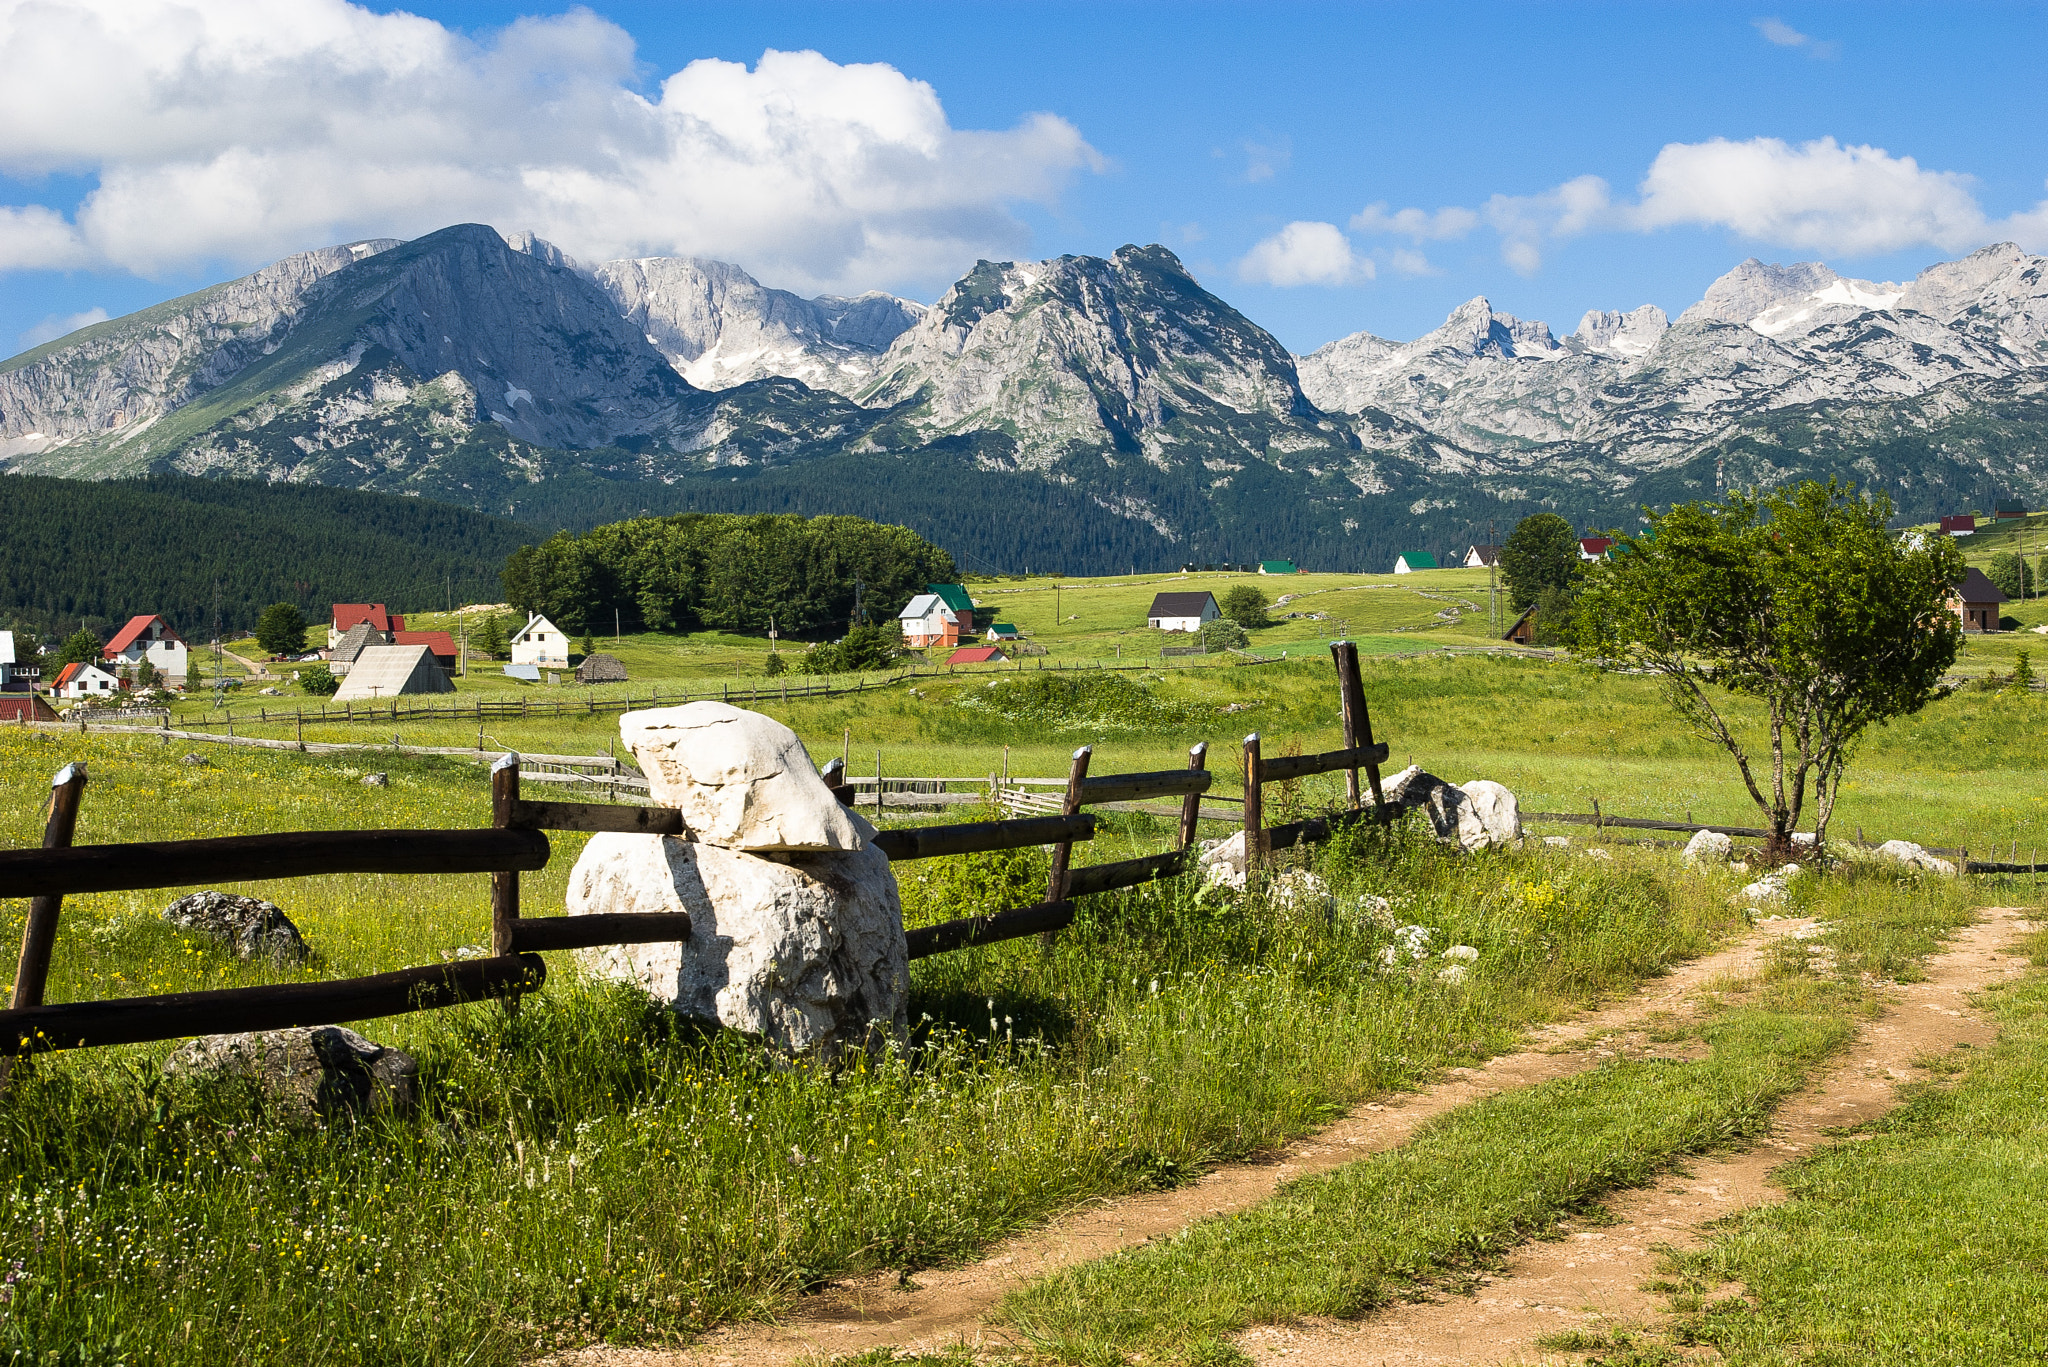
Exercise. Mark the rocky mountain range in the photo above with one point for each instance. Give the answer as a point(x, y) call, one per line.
point(1081, 412)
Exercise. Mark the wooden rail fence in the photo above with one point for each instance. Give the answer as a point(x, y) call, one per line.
point(515, 843)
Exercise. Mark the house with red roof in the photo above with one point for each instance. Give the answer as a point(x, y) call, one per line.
point(381, 620)
point(24, 707)
point(440, 643)
point(148, 637)
point(83, 680)
point(1593, 547)
point(977, 655)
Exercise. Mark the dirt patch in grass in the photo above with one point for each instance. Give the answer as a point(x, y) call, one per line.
point(1597, 1290)
point(940, 1306)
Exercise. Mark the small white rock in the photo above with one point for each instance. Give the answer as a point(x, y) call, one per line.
point(1708, 847)
point(1913, 856)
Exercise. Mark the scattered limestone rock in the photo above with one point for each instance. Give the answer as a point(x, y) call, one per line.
point(1558, 842)
point(742, 781)
point(1411, 787)
point(271, 692)
point(250, 926)
point(1298, 890)
point(1376, 910)
point(376, 780)
point(1709, 847)
point(324, 1073)
point(1223, 862)
point(1913, 856)
point(193, 759)
point(1597, 853)
point(804, 949)
point(1771, 887)
point(1480, 814)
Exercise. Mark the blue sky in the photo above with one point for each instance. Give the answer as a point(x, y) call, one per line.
point(1209, 127)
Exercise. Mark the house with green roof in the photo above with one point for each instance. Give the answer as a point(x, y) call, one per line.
point(1277, 567)
point(955, 597)
point(1412, 561)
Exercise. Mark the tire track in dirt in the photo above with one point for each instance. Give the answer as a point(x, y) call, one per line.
point(1592, 1279)
point(948, 1305)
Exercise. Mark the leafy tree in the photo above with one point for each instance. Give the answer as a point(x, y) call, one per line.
point(1801, 600)
point(2013, 575)
point(774, 664)
point(80, 646)
point(1554, 609)
point(1542, 552)
point(1222, 634)
point(1246, 606)
point(145, 673)
point(281, 630)
point(319, 681)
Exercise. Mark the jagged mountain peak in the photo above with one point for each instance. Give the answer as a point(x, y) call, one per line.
point(1754, 286)
point(1624, 336)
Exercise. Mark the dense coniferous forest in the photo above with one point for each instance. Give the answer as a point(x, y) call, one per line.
point(725, 571)
point(95, 553)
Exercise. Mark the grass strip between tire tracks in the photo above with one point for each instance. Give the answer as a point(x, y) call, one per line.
point(1470, 1185)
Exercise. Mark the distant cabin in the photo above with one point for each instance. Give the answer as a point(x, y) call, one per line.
point(1594, 547)
point(2005, 512)
point(540, 643)
point(600, 668)
point(977, 655)
point(1413, 561)
point(1003, 631)
point(1182, 611)
point(389, 671)
point(19, 707)
point(1277, 567)
point(1523, 632)
point(439, 642)
point(148, 637)
point(1482, 557)
point(357, 639)
point(380, 619)
point(1976, 600)
point(83, 680)
point(16, 674)
point(927, 622)
point(1961, 524)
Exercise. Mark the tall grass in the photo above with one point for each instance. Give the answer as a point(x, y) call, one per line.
point(588, 1167)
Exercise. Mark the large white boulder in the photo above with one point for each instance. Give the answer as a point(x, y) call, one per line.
point(741, 780)
point(1223, 861)
point(805, 950)
point(1709, 847)
point(1907, 853)
point(1480, 814)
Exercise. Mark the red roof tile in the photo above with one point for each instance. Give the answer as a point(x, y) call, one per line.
point(347, 615)
point(975, 655)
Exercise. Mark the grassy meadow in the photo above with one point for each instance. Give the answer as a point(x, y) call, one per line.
point(586, 1169)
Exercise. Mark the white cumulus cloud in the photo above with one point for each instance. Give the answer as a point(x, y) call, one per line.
point(55, 326)
point(1526, 222)
point(1305, 253)
point(238, 130)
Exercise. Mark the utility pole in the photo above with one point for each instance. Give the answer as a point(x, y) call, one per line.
point(220, 686)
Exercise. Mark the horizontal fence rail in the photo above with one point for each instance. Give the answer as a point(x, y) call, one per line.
point(245, 858)
point(281, 1006)
point(976, 837)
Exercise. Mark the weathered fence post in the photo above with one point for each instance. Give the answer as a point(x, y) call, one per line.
point(1063, 853)
point(1254, 804)
point(504, 884)
point(1357, 724)
point(1191, 805)
point(40, 934)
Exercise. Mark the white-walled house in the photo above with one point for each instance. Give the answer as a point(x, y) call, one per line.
point(1182, 611)
point(926, 621)
point(148, 637)
point(16, 674)
point(85, 681)
point(540, 642)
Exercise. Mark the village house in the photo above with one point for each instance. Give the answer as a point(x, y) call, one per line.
point(540, 643)
point(1412, 561)
point(1481, 557)
point(927, 622)
point(148, 637)
point(2006, 512)
point(84, 680)
point(1959, 524)
point(20, 707)
point(1976, 600)
point(389, 671)
point(1277, 567)
point(1523, 632)
point(380, 620)
point(977, 655)
point(439, 642)
point(16, 675)
point(1003, 631)
point(358, 638)
point(1594, 547)
point(1184, 611)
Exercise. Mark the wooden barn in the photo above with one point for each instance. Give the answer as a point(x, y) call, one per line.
point(1977, 600)
point(600, 668)
point(388, 671)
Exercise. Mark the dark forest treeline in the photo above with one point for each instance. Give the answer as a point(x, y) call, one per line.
point(98, 552)
point(724, 571)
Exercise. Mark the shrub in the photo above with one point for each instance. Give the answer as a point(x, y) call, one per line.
point(1222, 634)
point(863, 647)
point(1095, 703)
point(774, 664)
point(320, 681)
point(1246, 606)
point(2013, 575)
